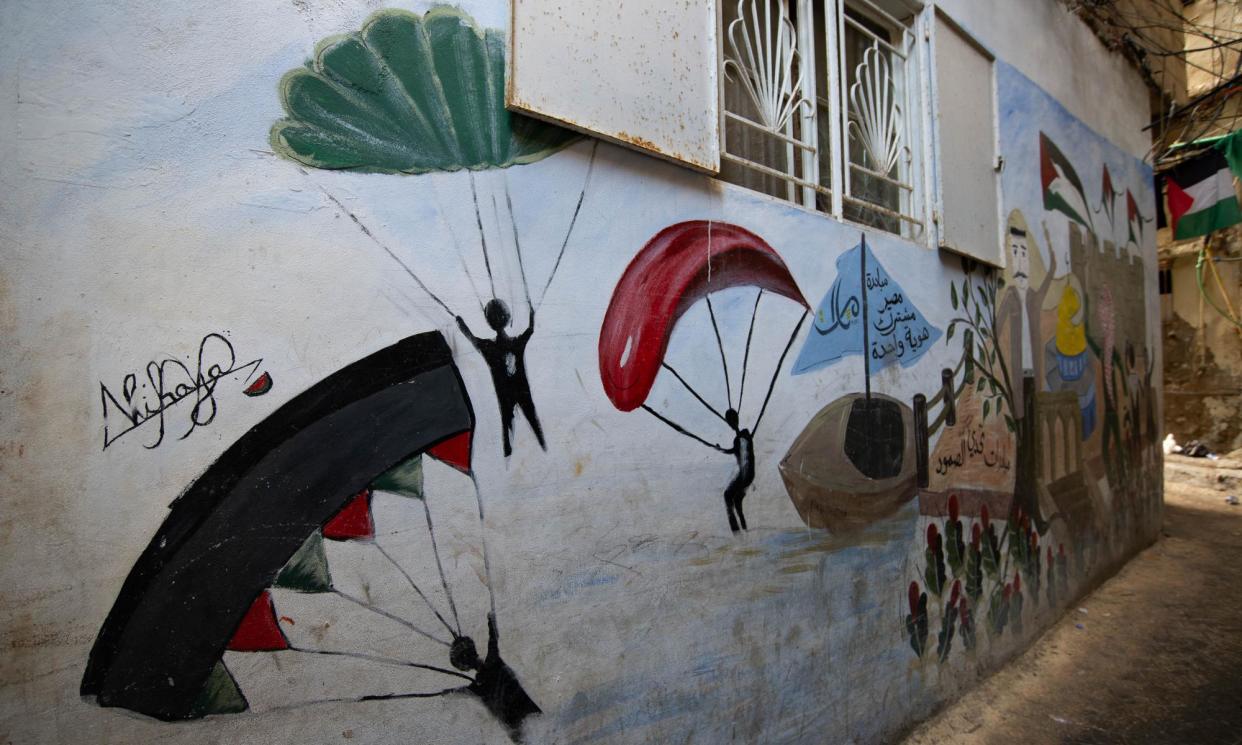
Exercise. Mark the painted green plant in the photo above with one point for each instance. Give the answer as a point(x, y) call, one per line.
point(408, 94)
point(983, 356)
point(948, 622)
point(916, 619)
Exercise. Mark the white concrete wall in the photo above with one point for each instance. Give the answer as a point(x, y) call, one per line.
point(1064, 57)
point(145, 208)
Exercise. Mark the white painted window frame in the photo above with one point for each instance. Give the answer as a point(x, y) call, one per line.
point(916, 209)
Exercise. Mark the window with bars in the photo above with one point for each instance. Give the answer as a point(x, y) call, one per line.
point(821, 106)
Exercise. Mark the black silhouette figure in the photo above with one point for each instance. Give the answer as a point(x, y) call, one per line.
point(495, 683)
point(506, 358)
point(743, 450)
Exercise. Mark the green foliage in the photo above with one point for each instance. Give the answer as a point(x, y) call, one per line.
point(944, 643)
point(978, 315)
point(974, 574)
point(998, 609)
point(967, 612)
point(991, 552)
point(916, 620)
point(408, 94)
point(956, 548)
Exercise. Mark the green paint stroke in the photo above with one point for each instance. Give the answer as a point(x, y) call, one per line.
point(405, 479)
point(408, 94)
point(307, 570)
point(220, 694)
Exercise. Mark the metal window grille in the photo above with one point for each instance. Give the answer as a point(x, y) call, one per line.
point(822, 106)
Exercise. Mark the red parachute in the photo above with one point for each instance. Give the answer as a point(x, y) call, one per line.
point(677, 267)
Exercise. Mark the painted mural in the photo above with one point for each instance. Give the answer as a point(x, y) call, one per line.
point(1059, 441)
point(420, 501)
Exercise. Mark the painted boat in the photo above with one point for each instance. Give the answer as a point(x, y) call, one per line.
point(855, 463)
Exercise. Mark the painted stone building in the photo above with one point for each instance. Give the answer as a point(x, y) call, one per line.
point(344, 403)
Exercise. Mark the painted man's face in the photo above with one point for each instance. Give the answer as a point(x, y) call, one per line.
point(1019, 261)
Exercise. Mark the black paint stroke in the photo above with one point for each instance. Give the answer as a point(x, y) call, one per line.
point(572, 222)
point(505, 356)
point(367, 232)
point(169, 382)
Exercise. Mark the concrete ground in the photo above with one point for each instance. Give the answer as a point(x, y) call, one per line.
point(1158, 657)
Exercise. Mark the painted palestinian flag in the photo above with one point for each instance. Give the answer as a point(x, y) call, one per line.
point(1063, 190)
point(1135, 219)
point(1201, 196)
point(1108, 197)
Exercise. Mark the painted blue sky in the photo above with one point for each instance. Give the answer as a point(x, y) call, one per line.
point(1024, 111)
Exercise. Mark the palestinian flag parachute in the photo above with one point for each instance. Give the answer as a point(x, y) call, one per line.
point(1201, 196)
point(1063, 190)
point(253, 527)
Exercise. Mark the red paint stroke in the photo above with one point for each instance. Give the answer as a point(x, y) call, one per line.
point(354, 521)
point(258, 630)
point(455, 451)
point(677, 267)
point(260, 386)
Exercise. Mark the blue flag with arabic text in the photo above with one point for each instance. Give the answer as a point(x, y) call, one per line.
point(897, 333)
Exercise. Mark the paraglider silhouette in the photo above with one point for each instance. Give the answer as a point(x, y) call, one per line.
point(506, 359)
point(679, 266)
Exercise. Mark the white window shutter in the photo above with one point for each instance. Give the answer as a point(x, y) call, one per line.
point(642, 73)
point(966, 144)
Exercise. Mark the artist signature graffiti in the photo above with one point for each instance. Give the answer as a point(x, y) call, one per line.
point(170, 381)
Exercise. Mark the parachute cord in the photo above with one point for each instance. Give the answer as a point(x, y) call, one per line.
point(435, 550)
point(682, 430)
point(380, 660)
point(572, 222)
point(724, 363)
point(367, 232)
point(360, 699)
point(693, 392)
point(746, 357)
point(415, 587)
point(390, 616)
point(777, 371)
point(478, 218)
point(517, 245)
point(487, 562)
point(461, 256)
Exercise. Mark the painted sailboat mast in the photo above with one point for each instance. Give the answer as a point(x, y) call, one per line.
point(866, 324)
